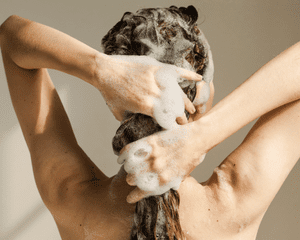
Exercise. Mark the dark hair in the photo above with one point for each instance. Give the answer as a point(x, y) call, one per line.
point(170, 35)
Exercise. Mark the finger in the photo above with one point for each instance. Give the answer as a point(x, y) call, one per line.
point(130, 179)
point(200, 109)
point(191, 119)
point(119, 115)
point(182, 120)
point(127, 151)
point(189, 75)
point(136, 195)
point(199, 86)
point(176, 183)
point(202, 93)
point(189, 106)
point(134, 155)
point(123, 155)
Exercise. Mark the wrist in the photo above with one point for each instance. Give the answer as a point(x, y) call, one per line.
point(204, 134)
point(100, 70)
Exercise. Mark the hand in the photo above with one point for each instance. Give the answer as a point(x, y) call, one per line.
point(138, 84)
point(161, 161)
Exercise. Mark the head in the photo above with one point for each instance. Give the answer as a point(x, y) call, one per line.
point(170, 35)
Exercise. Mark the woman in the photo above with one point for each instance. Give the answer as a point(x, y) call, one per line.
point(170, 35)
point(230, 205)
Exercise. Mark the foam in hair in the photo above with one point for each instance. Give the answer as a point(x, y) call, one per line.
point(169, 35)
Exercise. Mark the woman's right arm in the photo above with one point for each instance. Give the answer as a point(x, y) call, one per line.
point(258, 167)
point(255, 171)
point(126, 82)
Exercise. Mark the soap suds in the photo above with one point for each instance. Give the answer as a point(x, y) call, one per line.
point(170, 105)
point(135, 164)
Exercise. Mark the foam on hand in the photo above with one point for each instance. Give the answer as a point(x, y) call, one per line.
point(170, 105)
point(166, 109)
point(135, 163)
point(204, 96)
point(138, 152)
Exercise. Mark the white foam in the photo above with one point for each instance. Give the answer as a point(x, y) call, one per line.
point(170, 105)
point(136, 155)
point(176, 183)
point(135, 163)
point(204, 94)
point(166, 109)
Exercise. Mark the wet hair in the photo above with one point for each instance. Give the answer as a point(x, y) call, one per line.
point(170, 35)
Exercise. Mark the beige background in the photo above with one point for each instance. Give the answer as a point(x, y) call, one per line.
point(243, 34)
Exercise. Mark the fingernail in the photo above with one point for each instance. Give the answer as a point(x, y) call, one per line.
point(121, 161)
point(179, 121)
point(193, 109)
point(129, 200)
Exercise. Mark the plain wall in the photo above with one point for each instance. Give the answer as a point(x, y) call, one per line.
point(243, 35)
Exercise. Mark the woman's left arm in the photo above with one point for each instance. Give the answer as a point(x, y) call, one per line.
point(32, 45)
point(28, 49)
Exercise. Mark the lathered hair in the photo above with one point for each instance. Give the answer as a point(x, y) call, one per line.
point(170, 35)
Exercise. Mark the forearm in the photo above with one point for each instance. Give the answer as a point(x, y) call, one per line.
point(275, 84)
point(32, 45)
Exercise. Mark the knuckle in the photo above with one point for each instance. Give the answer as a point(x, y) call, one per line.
point(125, 149)
point(147, 103)
point(157, 166)
point(156, 92)
point(164, 178)
point(148, 75)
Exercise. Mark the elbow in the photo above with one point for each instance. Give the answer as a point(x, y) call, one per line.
point(11, 33)
point(12, 23)
point(5, 26)
point(7, 23)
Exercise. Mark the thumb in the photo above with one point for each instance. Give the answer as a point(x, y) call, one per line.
point(136, 195)
point(202, 93)
point(118, 114)
point(189, 75)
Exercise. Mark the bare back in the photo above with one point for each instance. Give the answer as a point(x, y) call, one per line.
point(205, 212)
point(86, 204)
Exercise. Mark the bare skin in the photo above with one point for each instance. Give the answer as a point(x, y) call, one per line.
point(86, 204)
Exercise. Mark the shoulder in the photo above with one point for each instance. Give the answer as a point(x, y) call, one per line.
point(233, 190)
point(253, 173)
point(74, 197)
point(65, 179)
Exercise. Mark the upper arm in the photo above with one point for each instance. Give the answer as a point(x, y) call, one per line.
point(259, 166)
point(58, 162)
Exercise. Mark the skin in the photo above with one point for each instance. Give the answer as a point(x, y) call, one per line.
point(86, 204)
